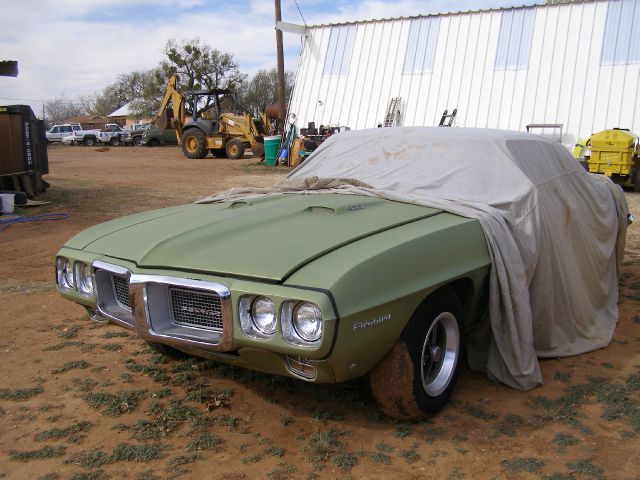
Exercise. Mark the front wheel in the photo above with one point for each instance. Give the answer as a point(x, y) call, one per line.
point(89, 141)
point(137, 141)
point(234, 148)
point(194, 144)
point(417, 376)
point(115, 141)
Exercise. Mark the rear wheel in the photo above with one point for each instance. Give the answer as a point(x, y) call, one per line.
point(137, 141)
point(154, 142)
point(115, 141)
point(419, 373)
point(89, 141)
point(194, 144)
point(234, 149)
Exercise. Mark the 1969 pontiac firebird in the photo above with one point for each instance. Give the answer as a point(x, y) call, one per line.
point(351, 266)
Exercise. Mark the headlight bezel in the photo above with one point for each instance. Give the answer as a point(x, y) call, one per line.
point(82, 272)
point(290, 332)
point(65, 277)
point(247, 323)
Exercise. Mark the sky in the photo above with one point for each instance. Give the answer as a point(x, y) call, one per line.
point(71, 48)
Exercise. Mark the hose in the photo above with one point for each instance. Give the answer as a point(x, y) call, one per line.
point(4, 224)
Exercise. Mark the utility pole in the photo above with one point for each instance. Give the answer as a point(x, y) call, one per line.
point(281, 106)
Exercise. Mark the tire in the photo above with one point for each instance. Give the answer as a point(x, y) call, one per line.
point(154, 142)
point(234, 149)
point(194, 144)
point(89, 141)
point(418, 374)
point(114, 142)
point(167, 350)
point(136, 141)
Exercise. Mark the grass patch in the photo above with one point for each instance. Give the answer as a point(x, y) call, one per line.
point(563, 440)
point(114, 405)
point(112, 347)
point(281, 472)
point(274, 451)
point(322, 445)
point(56, 433)
point(205, 441)
point(20, 393)
point(44, 452)
point(585, 467)
point(411, 455)
point(402, 430)
point(61, 345)
point(123, 452)
point(84, 384)
point(71, 332)
point(255, 458)
point(326, 417)
point(344, 460)
point(12, 285)
point(522, 464)
point(508, 425)
point(116, 335)
point(379, 457)
point(186, 459)
point(71, 365)
point(479, 412)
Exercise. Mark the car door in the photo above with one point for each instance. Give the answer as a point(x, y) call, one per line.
point(170, 136)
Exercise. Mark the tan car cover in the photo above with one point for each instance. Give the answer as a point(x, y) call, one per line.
point(553, 230)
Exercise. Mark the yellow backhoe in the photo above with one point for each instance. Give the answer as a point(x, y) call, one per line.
point(227, 135)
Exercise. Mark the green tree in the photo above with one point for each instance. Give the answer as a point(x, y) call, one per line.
point(262, 90)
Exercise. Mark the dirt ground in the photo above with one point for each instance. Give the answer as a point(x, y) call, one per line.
point(83, 400)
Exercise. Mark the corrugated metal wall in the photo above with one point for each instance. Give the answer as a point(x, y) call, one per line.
point(576, 64)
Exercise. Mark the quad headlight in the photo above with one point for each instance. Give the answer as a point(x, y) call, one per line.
point(263, 315)
point(307, 321)
point(84, 279)
point(64, 274)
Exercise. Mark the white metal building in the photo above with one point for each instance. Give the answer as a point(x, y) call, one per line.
point(575, 64)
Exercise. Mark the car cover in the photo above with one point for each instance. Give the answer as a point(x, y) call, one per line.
point(555, 232)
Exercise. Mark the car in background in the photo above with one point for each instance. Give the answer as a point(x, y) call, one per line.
point(154, 137)
point(57, 132)
point(134, 135)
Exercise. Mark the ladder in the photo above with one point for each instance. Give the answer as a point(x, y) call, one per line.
point(450, 116)
point(393, 113)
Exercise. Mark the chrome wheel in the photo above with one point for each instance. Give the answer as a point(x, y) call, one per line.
point(440, 352)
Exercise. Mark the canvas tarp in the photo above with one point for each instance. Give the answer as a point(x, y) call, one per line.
point(554, 231)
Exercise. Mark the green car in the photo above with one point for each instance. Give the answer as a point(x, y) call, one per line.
point(324, 287)
point(154, 137)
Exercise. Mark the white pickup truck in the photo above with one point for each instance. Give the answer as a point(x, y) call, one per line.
point(112, 134)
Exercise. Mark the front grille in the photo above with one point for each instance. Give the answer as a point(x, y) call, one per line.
point(194, 308)
point(121, 289)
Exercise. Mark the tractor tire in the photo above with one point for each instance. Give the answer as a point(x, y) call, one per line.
point(194, 144)
point(234, 149)
point(89, 141)
point(418, 374)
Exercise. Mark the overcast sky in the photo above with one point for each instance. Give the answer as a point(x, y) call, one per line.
point(71, 48)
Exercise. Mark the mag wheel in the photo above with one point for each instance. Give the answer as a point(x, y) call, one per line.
point(419, 373)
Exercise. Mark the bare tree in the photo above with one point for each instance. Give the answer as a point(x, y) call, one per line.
point(60, 110)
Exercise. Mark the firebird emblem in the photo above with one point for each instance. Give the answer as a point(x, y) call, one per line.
point(371, 323)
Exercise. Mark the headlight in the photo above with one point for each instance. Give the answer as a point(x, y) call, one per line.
point(307, 321)
point(64, 273)
point(263, 315)
point(84, 279)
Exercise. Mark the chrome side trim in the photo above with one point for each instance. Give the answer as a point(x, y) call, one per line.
point(144, 303)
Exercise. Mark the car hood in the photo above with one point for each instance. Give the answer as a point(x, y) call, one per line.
point(269, 237)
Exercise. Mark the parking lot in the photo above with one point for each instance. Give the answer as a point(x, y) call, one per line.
point(82, 398)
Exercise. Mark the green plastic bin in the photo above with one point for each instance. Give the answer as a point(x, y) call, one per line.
point(271, 145)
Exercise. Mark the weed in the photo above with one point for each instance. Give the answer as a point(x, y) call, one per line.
point(165, 392)
point(93, 459)
point(186, 459)
point(379, 457)
point(188, 380)
point(411, 455)
point(156, 373)
point(274, 451)
point(116, 335)
point(563, 440)
point(56, 433)
point(84, 384)
point(73, 364)
point(20, 393)
point(585, 467)
point(456, 474)
point(281, 471)
point(432, 433)
point(146, 430)
point(559, 476)
point(131, 365)
point(112, 347)
point(286, 421)
point(126, 377)
point(345, 460)
point(44, 452)
point(256, 457)
point(326, 417)
point(522, 464)
point(563, 377)
point(384, 447)
point(61, 345)
point(71, 332)
point(47, 407)
point(402, 430)
point(53, 418)
point(226, 421)
point(205, 441)
point(322, 445)
point(507, 426)
point(201, 422)
point(137, 453)
point(201, 395)
point(114, 405)
point(479, 412)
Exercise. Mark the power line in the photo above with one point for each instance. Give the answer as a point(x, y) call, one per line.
point(300, 12)
point(42, 101)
